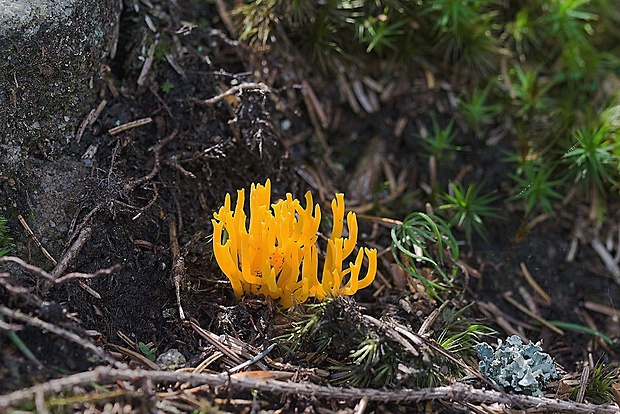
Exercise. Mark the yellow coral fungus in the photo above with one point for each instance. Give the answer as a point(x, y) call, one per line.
point(275, 253)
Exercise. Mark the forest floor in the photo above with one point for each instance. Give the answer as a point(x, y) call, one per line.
point(202, 116)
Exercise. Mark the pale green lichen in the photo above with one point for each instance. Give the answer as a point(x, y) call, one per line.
point(525, 369)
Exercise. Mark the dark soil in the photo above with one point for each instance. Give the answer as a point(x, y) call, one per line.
point(135, 189)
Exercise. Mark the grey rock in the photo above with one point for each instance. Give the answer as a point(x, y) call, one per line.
point(51, 52)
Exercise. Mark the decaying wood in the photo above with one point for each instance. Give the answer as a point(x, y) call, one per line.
point(456, 393)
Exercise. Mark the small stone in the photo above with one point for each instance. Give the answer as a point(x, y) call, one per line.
point(171, 360)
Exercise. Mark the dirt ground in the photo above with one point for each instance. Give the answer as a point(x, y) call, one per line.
point(141, 203)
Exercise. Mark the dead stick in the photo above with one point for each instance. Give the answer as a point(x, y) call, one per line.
point(57, 330)
point(456, 392)
point(37, 271)
point(72, 252)
point(513, 302)
point(244, 86)
point(607, 259)
point(528, 276)
point(156, 165)
point(130, 125)
point(78, 275)
point(36, 240)
point(583, 382)
point(33, 270)
point(178, 264)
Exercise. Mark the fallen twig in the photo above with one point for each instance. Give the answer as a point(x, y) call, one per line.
point(36, 240)
point(513, 302)
point(131, 185)
point(79, 275)
point(37, 271)
point(243, 86)
point(129, 125)
point(178, 264)
point(456, 392)
point(89, 120)
point(72, 252)
point(607, 259)
point(532, 282)
point(57, 330)
point(148, 62)
point(217, 343)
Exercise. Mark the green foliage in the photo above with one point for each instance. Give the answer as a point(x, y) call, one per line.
point(609, 119)
point(335, 329)
point(554, 54)
point(463, 32)
point(329, 33)
point(531, 97)
point(147, 351)
point(425, 240)
point(167, 86)
point(469, 209)
point(591, 160)
point(308, 329)
point(536, 186)
point(258, 20)
point(568, 20)
point(6, 242)
point(571, 37)
point(379, 33)
point(569, 326)
point(476, 109)
point(523, 33)
point(600, 383)
point(571, 32)
point(374, 362)
point(338, 33)
point(205, 407)
point(459, 335)
point(439, 141)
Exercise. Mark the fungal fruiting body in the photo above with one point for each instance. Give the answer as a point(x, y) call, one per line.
point(274, 251)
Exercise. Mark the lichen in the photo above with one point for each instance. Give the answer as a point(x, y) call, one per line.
point(514, 366)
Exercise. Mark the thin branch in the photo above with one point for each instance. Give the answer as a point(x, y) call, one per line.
point(130, 185)
point(130, 125)
point(32, 269)
point(607, 259)
point(36, 240)
point(178, 264)
point(20, 291)
point(516, 304)
point(243, 86)
point(37, 271)
point(72, 252)
point(78, 275)
point(456, 392)
point(57, 330)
